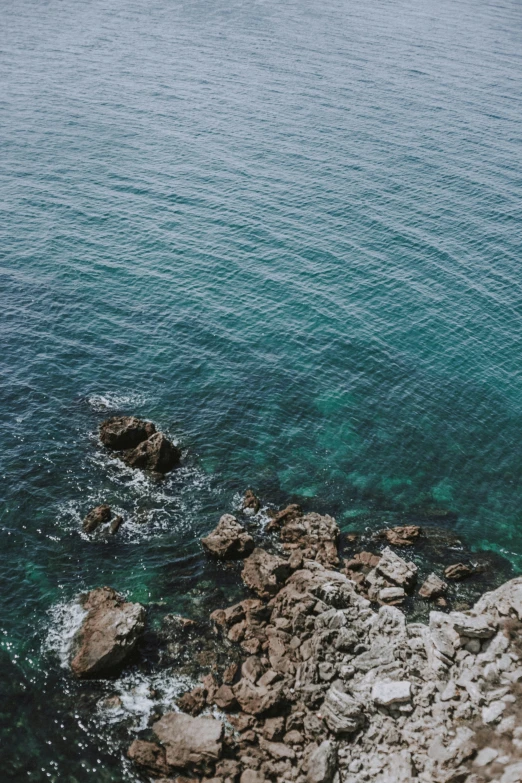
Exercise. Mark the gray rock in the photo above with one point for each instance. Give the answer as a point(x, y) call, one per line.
point(229, 540)
point(341, 713)
point(322, 764)
point(190, 743)
point(387, 692)
point(397, 570)
point(433, 587)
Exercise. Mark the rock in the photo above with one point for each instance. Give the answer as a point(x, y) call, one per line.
point(229, 540)
point(485, 756)
point(252, 776)
point(274, 728)
point(433, 587)
point(387, 692)
point(224, 698)
point(391, 594)
point(265, 573)
point(193, 702)
point(473, 626)
point(190, 743)
point(96, 517)
point(278, 750)
point(322, 764)
point(251, 502)
point(108, 635)
point(125, 432)
point(341, 713)
point(315, 535)
point(252, 669)
point(401, 536)
point(257, 699)
point(493, 711)
point(396, 570)
point(149, 756)
point(512, 773)
point(458, 572)
point(116, 523)
point(157, 454)
point(285, 515)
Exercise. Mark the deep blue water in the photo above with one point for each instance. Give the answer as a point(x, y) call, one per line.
point(291, 235)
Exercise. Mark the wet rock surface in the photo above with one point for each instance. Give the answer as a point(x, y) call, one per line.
point(125, 432)
point(229, 540)
point(139, 445)
point(96, 517)
point(108, 634)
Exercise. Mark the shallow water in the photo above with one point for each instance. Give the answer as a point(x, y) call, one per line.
point(288, 234)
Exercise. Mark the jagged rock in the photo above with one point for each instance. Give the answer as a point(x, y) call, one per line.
point(458, 572)
point(315, 535)
point(401, 536)
point(274, 728)
point(387, 692)
point(257, 699)
point(285, 515)
point(229, 540)
point(149, 756)
point(322, 764)
point(157, 454)
point(225, 699)
point(396, 570)
point(341, 713)
point(116, 523)
point(433, 587)
point(96, 517)
point(108, 634)
point(190, 743)
point(265, 573)
point(252, 776)
point(125, 432)
point(251, 502)
point(473, 626)
point(194, 701)
point(390, 595)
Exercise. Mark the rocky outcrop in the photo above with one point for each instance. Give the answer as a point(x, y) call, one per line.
point(229, 540)
point(125, 432)
point(96, 517)
point(316, 537)
point(108, 635)
point(251, 503)
point(138, 444)
point(192, 744)
point(401, 536)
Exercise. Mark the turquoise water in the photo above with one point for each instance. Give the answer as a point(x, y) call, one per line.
point(289, 234)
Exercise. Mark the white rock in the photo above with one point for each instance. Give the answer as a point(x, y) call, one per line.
point(397, 570)
point(391, 594)
point(512, 773)
point(386, 692)
point(493, 711)
point(485, 756)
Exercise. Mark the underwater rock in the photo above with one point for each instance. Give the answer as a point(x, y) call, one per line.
point(125, 432)
point(157, 454)
point(108, 634)
point(229, 540)
point(96, 517)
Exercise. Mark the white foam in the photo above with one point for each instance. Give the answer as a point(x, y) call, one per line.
point(115, 401)
point(66, 618)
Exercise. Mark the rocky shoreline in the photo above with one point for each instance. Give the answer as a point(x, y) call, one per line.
point(318, 676)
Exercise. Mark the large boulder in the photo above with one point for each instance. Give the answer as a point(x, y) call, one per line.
point(96, 517)
point(108, 634)
point(149, 756)
point(125, 432)
point(265, 573)
point(229, 540)
point(156, 454)
point(190, 743)
point(396, 570)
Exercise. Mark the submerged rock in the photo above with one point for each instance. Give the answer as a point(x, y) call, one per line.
point(157, 454)
point(125, 432)
point(229, 540)
point(108, 635)
point(96, 517)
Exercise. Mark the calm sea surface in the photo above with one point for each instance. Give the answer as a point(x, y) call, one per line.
point(290, 234)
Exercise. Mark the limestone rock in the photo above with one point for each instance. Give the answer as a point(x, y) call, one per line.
point(125, 432)
point(251, 502)
point(190, 743)
point(387, 692)
point(341, 713)
point(265, 573)
point(96, 517)
point(108, 634)
point(458, 572)
point(229, 540)
point(397, 570)
point(433, 587)
point(401, 536)
point(317, 536)
point(149, 756)
point(322, 764)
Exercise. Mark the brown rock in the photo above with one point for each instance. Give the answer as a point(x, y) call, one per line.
point(274, 728)
point(265, 573)
point(242, 722)
point(257, 699)
point(252, 669)
point(116, 523)
point(229, 675)
point(401, 536)
point(149, 756)
point(251, 502)
point(278, 750)
point(190, 743)
point(252, 776)
point(108, 634)
point(315, 535)
point(285, 515)
point(194, 701)
point(433, 587)
point(293, 737)
point(224, 698)
point(458, 571)
point(157, 454)
point(96, 517)
point(229, 540)
point(237, 632)
point(125, 432)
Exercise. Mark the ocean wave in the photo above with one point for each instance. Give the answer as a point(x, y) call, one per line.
point(65, 620)
point(110, 401)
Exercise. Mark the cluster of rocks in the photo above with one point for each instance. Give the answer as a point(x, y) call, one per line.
point(138, 444)
point(330, 688)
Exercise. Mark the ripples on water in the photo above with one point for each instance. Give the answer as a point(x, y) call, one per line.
point(289, 234)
